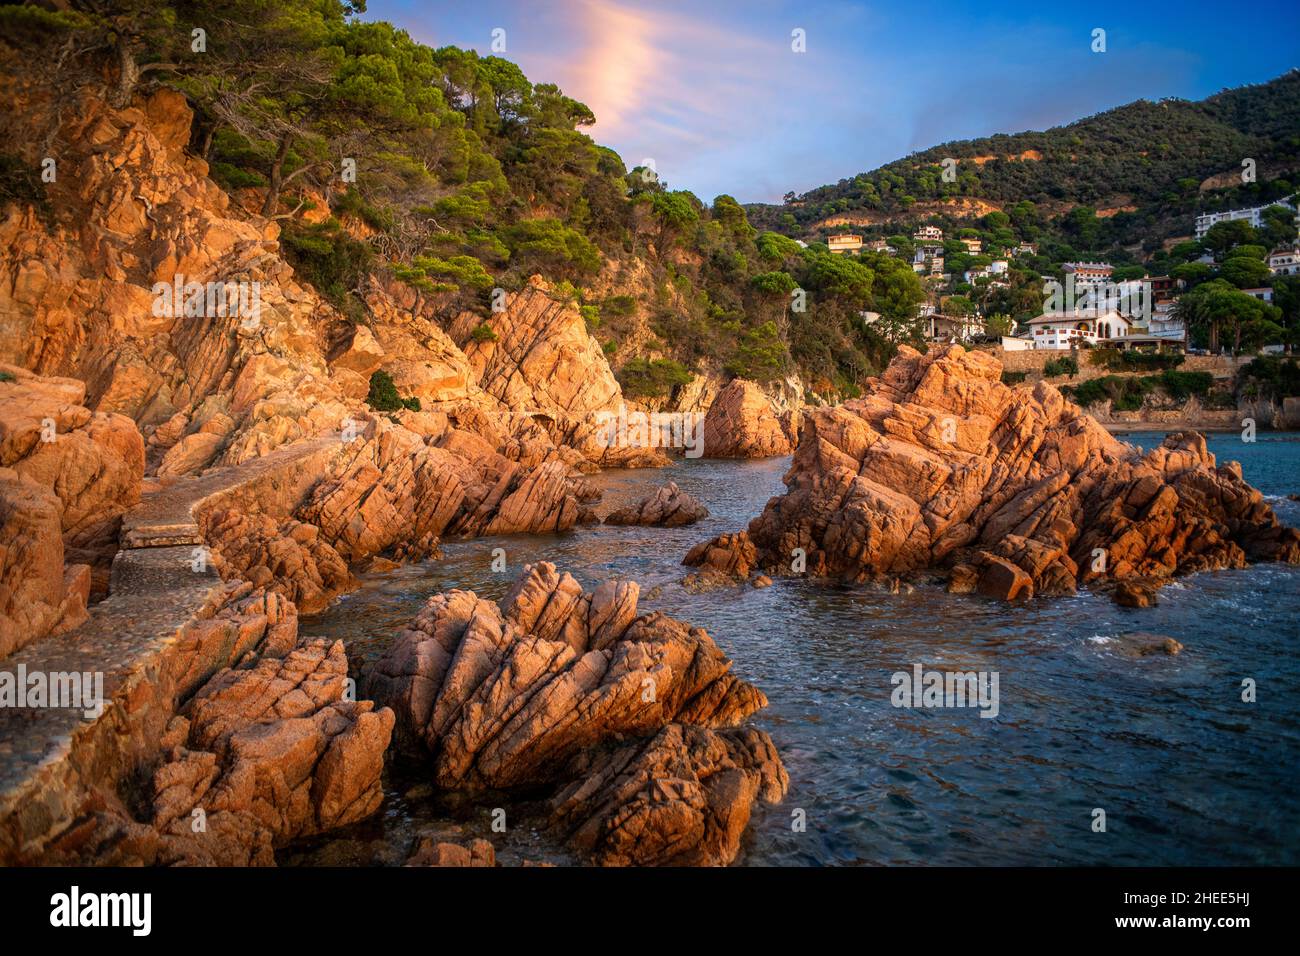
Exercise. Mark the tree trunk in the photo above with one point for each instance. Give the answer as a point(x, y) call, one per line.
point(205, 144)
point(277, 177)
point(128, 73)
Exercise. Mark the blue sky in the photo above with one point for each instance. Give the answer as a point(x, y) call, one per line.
point(712, 92)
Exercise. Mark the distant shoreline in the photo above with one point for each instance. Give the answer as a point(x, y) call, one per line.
point(1123, 428)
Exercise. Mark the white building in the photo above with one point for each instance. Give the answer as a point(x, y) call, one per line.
point(952, 328)
point(1284, 262)
point(1088, 272)
point(1072, 330)
point(927, 250)
point(998, 267)
point(1254, 214)
point(1165, 325)
point(1264, 294)
point(928, 234)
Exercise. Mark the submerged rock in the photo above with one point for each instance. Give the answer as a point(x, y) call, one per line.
point(669, 507)
point(1146, 644)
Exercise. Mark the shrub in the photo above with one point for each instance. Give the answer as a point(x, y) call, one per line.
point(1271, 376)
point(1066, 365)
point(20, 183)
point(1182, 385)
point(327, 257)
point(1118, 361)
point(1013, 378)
point(483, 333)
point(383, 395)
point(652, 378)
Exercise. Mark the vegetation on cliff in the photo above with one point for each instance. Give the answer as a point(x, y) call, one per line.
point(456, 174)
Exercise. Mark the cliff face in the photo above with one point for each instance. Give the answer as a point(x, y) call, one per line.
point(1010, 491)
point(139, 218)
point(103, 290)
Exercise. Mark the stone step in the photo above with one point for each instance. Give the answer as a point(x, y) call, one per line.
point(151, 642)
point(156, 593)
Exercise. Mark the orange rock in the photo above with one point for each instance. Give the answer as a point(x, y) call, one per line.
point(669, 507)
point(530, 692)
point(939, 464)
point(742, 424)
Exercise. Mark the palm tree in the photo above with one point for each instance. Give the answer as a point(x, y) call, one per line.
point(1194, 312)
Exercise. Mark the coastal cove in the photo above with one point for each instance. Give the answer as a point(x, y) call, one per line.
point(1186, 772)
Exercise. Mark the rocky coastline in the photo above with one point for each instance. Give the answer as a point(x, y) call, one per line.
point(173, 493)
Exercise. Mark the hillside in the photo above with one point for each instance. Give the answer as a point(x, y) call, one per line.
point(1142, 168)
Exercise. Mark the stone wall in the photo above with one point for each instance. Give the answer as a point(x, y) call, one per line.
point(1220, 366)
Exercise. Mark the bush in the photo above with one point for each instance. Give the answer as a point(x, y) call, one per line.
point(1067, 365)
point(20, 183)
point(383, 395)
point(1182, 385)
point(1118, 361)
point(1013, 378)
point(652, 378)
point(327, 257)
point(619, 305)
point(1271, 376)
point(483, 333)
point(1127, 392)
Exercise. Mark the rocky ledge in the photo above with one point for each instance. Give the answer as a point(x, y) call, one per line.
point(1011, 492)
point(629, 719)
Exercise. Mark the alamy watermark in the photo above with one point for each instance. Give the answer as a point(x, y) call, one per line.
point(922, 688)
point(635, 429)
point(75, 690)
point(211, 300)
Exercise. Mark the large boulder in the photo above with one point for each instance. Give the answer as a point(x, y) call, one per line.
point(267, 755)
point(741, 423)
point(546, 689)
point(1015, 491)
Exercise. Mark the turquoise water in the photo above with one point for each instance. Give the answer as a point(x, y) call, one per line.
point(1186, 772)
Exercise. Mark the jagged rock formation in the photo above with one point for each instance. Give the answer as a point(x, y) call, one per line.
point(669, 507)
point(541, 360)
point(527, 693)
point(135, 217)
point(1015, 492)
point(742, 424)
point(267, 755)
point(66, 477)
point(680, 798)
point(266, 751)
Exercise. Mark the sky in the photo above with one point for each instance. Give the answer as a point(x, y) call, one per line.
point(715, 95)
